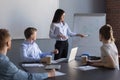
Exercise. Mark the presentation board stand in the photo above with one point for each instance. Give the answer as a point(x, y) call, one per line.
point(88, 24)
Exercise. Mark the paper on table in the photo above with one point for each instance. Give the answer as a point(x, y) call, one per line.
point(32, 65)
point(57, 73)
point(53, 66)
point(54, 62)
point(85, 68)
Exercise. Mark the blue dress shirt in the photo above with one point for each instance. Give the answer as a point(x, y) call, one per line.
point(30, 52)
point(8, 71)
point(60, 28)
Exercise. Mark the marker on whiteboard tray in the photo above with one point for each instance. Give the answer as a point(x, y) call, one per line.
point(86, 35)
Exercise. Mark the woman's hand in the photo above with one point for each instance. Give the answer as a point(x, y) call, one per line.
point(82, 35)
point(89, 62)
point(55, 51)
point(62, 36)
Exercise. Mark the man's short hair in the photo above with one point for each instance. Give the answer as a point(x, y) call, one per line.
point(4, 35)
point(29, 31)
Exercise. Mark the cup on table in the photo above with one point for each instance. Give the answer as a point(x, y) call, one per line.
point(48, 59)
point(84, 60)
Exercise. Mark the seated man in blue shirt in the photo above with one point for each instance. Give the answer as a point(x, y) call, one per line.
point(30, 51)
point(8, 71)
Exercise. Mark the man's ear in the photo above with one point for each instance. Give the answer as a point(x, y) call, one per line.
point(7, 43)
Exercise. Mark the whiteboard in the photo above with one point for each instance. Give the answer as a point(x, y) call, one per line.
point(88, 24)
point(17, 15)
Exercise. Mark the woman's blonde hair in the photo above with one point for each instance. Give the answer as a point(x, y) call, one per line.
point(107, 32)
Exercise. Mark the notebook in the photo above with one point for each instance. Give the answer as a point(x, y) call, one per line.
point(32, 65)
point(53, 67)
point(70, 57)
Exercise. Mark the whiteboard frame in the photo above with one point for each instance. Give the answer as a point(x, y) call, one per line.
point(86, 14)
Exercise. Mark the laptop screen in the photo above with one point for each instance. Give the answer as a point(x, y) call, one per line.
point(72, 54)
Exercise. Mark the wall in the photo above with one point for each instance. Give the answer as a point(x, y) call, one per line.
point(71, 7)
point(80, 6)
point(113, 18)
point(17, 15)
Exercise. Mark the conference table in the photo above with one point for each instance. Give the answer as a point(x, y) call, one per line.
point(76, 74)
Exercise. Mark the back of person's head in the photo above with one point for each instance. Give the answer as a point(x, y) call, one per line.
point(107, 32)
point(29, 31)
point(57, 15)
point(4, 37)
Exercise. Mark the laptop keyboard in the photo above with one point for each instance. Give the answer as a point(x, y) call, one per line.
point(61, 59)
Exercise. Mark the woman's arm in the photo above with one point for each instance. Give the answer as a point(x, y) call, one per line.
point(70, 33)
point(108, 60)
point(95, 62)
point(53, 32)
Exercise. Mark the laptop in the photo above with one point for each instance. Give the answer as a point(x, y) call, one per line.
point(71, 56)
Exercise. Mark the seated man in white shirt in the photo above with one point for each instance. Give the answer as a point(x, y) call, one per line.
point(8, 71)
point(30, 51)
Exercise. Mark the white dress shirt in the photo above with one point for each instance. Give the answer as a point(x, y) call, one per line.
point(8, 71)
point(31, 52)
point(110, 50)
point(60, 28)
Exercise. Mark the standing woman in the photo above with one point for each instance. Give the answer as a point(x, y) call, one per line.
point(60, 31)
